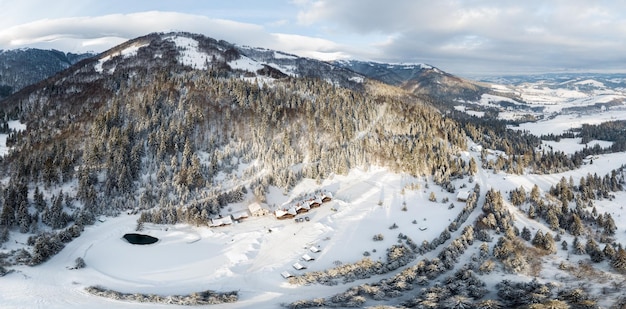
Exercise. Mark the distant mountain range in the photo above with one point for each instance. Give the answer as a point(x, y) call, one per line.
point(419, 79)
point(22, 67)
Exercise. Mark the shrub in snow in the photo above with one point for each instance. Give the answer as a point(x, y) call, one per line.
point(79, 263)
point(378, 237)
point(207, 297)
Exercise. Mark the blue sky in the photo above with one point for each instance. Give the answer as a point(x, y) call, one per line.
point(463, 37)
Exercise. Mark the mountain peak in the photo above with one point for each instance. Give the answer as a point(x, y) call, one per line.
point(194, 51)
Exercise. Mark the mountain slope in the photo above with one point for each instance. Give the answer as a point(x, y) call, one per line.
point(174, 113)
point(22, 67)
point(420, 79)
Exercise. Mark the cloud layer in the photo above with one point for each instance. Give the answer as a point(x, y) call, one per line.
point(462, 37)
point(485, 35)
point(80, 34)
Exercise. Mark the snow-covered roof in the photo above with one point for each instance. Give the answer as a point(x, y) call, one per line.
point(307, 257)
point(255, 207)
point(221, 221)
point(314, 249)
point(298, 266)
point(463, 195)
point(240, 215)
point(286, 274)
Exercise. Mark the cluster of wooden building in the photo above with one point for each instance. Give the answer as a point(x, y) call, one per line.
point(303, 206)
point(256, 210)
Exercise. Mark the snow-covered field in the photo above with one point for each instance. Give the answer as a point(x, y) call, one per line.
point(250, 256)
point(530, 95)
point(564, 122)
point(247, 257)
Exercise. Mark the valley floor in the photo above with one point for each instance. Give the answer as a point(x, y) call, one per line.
point(249, 257)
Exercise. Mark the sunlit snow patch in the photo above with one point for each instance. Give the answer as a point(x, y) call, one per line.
point(190, 55)
point(125, 53)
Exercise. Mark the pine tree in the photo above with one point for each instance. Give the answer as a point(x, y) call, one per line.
point(473, 167)
point(609, 225)
point(534, 194)
point(609, 251)
point(579, 247)
point(576, 228)
point(594, 251)
point(549, 243)
point(619, 262)
point(526, 234)
point(23, 217)
point(531, 212)
point(538, 240)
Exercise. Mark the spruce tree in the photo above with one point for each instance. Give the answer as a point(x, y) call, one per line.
point(526, 234)
point(619, 262)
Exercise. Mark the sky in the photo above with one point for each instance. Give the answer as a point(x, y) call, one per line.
point(464, 37)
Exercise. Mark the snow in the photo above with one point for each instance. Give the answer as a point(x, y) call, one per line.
point(590, 82)
point(562, 123)
point(248, 257)
point(572, 145)
point(189, 54)
point(357, 79)
point(463, 108)
point(125, 53)
point(246, 64)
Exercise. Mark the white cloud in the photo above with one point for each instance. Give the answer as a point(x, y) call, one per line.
point(490, 34)
point(458, 36)
point(81, 34)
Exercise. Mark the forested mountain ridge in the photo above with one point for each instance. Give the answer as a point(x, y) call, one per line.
point(187, 124)
point(22, 67)
point(420, 79)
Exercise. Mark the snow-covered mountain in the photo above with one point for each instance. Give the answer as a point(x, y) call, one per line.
point(271, 180)
point(202, 53)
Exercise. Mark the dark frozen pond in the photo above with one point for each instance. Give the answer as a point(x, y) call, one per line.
point(140, 239)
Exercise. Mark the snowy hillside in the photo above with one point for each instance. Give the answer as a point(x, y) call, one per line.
point(542, 96)
point(178, 170)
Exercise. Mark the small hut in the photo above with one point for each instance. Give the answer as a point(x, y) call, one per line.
point(462, 196)
point(298, 266)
